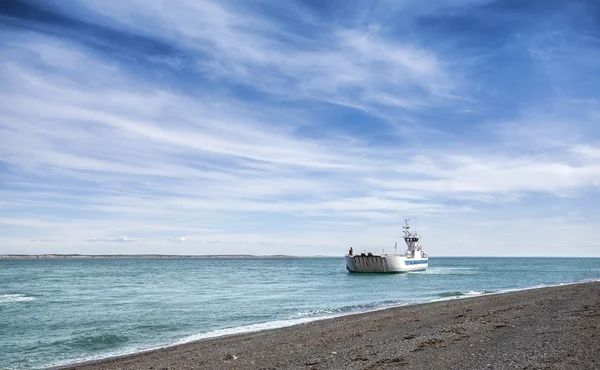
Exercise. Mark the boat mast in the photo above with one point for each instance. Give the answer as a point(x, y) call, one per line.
point(411, 239)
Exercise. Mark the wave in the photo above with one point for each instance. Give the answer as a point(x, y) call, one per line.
point(15, 297)
point(337, 311)
point(245, 329)
point(100, 341)
point(471, 293)
point(539, 286)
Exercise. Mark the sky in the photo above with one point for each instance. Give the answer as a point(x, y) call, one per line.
point(299, 127)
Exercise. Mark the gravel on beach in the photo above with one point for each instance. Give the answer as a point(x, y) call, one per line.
point(545, 328)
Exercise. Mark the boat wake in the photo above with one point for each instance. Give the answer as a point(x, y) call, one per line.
point(447, 271)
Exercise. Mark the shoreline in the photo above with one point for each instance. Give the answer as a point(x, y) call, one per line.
point(247, 350)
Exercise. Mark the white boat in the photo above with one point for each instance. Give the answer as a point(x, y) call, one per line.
point(413, 259)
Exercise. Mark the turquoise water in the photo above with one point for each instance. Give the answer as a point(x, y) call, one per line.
point(58, 311)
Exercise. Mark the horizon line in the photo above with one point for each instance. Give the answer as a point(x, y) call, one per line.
point(158, 255)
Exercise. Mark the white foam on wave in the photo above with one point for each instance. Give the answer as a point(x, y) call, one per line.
point(345, 310)
point(15, 297)
point(473, 293)
point(539, 286)
point(250, 328)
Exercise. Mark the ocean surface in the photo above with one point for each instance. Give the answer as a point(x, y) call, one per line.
point(60, 311)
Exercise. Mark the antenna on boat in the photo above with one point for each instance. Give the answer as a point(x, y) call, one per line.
point(406, 227)
point(395, 247)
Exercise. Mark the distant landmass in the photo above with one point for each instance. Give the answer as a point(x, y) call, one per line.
point(149, 256)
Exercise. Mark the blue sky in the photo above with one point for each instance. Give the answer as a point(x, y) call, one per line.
point(299, 127)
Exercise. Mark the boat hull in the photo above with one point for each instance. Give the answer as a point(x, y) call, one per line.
point(387, 263)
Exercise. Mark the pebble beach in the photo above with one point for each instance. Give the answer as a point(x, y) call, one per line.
point(544, 328)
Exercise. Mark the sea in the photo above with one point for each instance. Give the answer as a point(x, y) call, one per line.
point(66, 310)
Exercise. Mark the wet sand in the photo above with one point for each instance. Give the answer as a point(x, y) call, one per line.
point(549, 328)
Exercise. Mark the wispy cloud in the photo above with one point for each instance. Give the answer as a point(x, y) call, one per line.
point(272, 129)
point(118, 239)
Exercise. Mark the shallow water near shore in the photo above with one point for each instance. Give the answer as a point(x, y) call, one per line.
point(59, 311)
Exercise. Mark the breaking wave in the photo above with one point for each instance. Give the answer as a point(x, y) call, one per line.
point(100, 341)
point(471, 293)
point(15, 297)
point(338, 311)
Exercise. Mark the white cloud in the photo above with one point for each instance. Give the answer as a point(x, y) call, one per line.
point(118, 239)
point(587, 151)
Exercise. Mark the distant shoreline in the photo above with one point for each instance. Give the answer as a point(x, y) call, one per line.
point(53, 255)
point(282, 256)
